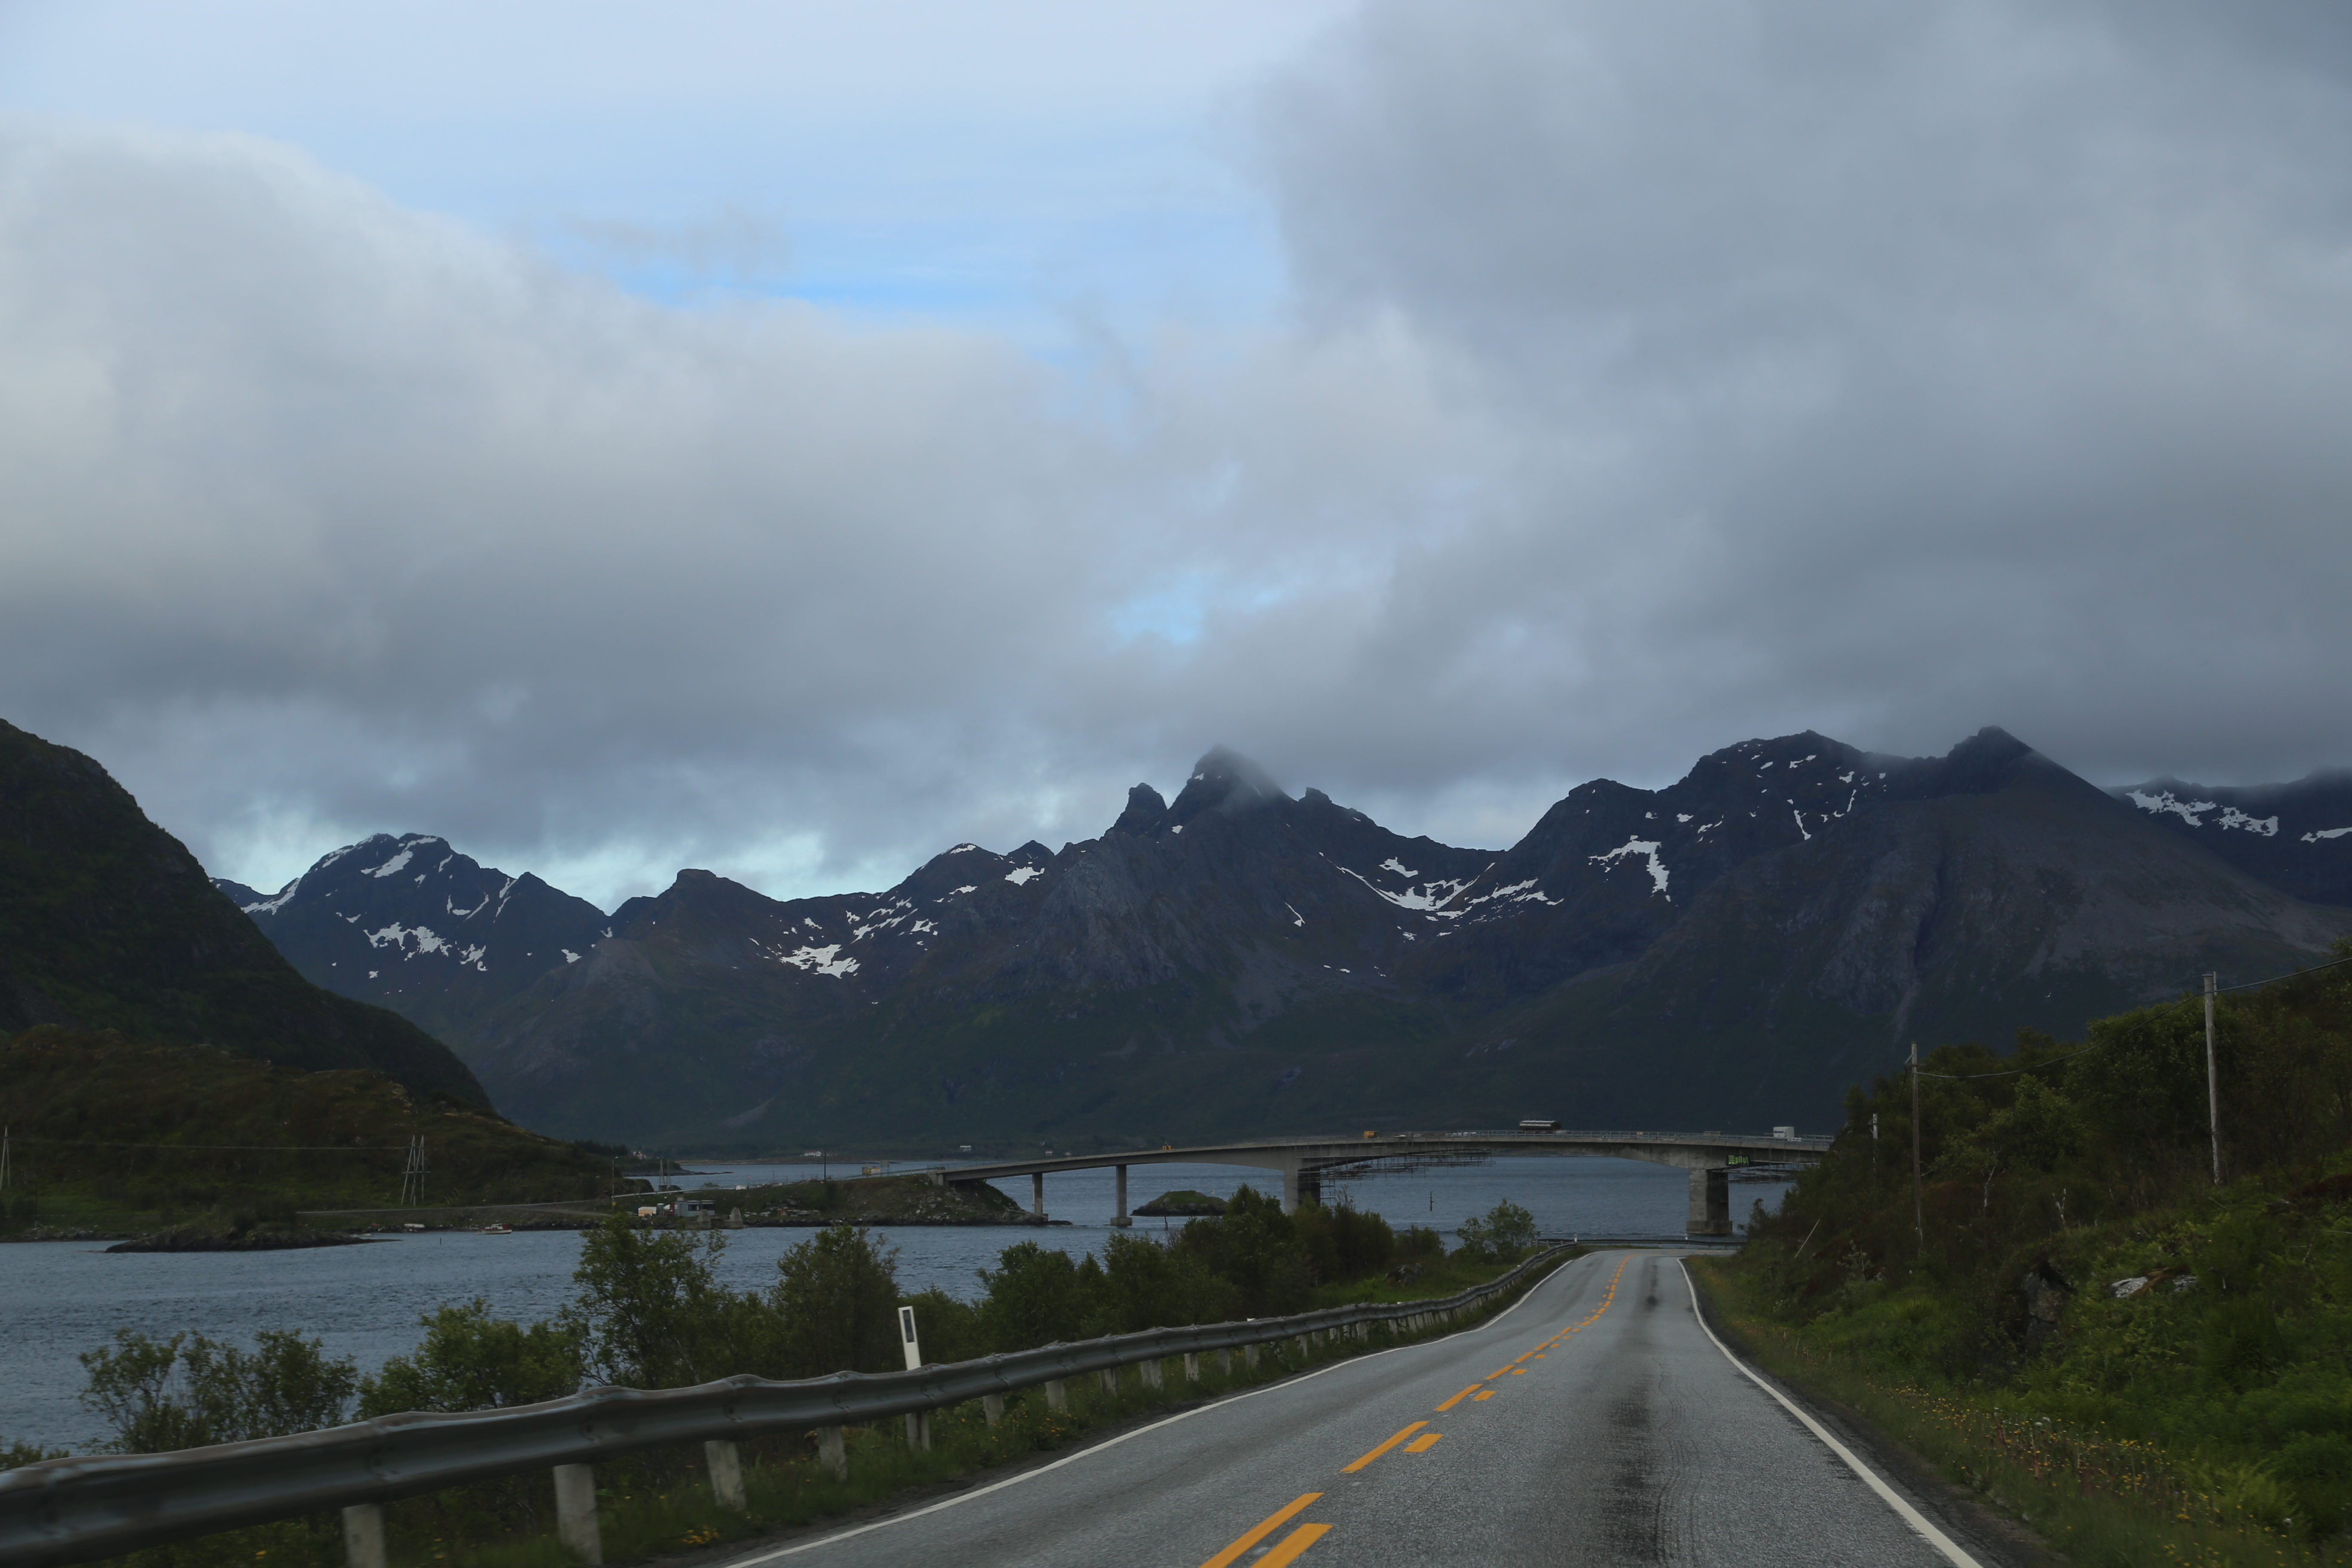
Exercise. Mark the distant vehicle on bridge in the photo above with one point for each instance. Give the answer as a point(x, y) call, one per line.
point(1538, 1124)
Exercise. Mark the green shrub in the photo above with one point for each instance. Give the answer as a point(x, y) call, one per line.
point(188, 1392)
point(471, 1361)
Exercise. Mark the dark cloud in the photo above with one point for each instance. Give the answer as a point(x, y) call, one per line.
point(1657, 378)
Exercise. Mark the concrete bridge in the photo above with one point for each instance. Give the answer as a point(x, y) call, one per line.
point(1303, 1162)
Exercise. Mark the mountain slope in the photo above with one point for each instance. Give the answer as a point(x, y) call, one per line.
point(106, 921)
point(2296, 836)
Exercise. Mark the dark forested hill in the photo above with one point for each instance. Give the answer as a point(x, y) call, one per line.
point(1729, 951)
point(108, 923)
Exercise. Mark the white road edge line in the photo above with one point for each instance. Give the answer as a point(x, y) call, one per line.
point(1140, 1431)
point(1911, 1516)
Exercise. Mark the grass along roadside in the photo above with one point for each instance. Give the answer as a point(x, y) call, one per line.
point(2100, 1501)
point(659, 1503)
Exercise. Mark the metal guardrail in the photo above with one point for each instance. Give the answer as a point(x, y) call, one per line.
point(77, 1510)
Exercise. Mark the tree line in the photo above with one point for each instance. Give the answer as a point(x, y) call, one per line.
point(649, 1309)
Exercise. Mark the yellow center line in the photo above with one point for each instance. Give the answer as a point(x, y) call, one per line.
point(1296, 1541)
point(1368, 1458)
point(1424, 1443)
point(1265, 1528)
point(1487, 1394)
point(1459, 1398)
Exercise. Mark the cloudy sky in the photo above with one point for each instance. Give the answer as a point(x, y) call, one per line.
point(791, 438)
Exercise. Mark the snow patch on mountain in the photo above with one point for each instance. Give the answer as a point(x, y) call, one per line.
point(825, 959)
point(271, 906)
point(1431, 896)
point(397, 863)
point(2166, 801)
point(1020, 875)
point(2192, 812)
point(1647, 849)
point(2325, 833)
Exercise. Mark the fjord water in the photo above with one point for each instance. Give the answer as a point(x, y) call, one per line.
point(61, 1298)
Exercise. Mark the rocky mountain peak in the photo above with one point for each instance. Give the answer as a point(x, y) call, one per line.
point(1224, 780)
point(1145, 811)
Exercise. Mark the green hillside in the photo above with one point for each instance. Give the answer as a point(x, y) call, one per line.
point(108, 923)
point(2071, 1313)
point(108, 1133)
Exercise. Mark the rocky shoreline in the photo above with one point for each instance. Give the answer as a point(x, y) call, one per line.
point(231, 1241)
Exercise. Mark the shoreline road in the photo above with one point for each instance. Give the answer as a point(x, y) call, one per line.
point(1596, 1422)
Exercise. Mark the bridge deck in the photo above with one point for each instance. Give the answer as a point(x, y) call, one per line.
point(1686, 1150)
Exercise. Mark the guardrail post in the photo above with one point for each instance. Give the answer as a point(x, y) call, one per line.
point(576, 1511)
point(364, 1536)
point(1152, 1374)
point(1249, 1357)
point(1305, 1346)
point(1224, 1363)
point(918, 1429)
point(1109, 1379)
point(726, 1475)
point(992, 1409)
point(1191, 1366)
point(832, 1452)
point(1057, 1395)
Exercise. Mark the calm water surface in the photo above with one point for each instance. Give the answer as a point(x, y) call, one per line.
point(59, 1298)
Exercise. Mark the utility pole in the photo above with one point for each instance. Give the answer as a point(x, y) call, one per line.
point(4, 1159)
point(411, 1175)
point(2213, 1079)
point(1918, 1208)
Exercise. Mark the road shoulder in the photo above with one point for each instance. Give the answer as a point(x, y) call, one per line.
point(1993, 1538)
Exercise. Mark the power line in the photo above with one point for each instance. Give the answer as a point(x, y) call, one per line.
point(2009, 1073)
point(2274, 979)
point(2037, 1066)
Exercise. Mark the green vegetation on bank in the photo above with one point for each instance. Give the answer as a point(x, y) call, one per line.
point(2076, 1319)
point(650, 1310)
point(115, 1135)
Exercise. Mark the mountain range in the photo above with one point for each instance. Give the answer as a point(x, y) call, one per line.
point(1730, 950)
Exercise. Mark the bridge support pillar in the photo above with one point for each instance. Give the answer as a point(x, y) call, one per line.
point(1299, 1186)
point(1710, 1201)
point(576, 1511)
point(1121, 1217)
point(364, 1536)
point(1037, 1193)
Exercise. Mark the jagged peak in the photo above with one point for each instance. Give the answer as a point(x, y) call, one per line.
point(1145, 810)
point(1223, 780)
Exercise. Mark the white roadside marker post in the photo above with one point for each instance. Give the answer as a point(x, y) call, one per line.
point(919, 1422)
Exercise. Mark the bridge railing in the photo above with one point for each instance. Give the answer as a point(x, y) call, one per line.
point(78, 1509)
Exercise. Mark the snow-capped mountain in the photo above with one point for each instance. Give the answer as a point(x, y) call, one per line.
point(413, 925)
point(1730, 950)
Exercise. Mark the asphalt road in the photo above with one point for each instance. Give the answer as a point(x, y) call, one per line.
point(1595, 1422)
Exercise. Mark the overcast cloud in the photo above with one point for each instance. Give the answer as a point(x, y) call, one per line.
point(1649, 378)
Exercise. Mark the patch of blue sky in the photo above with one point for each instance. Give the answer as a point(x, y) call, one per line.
point(912, 160)
point(1174, 613)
